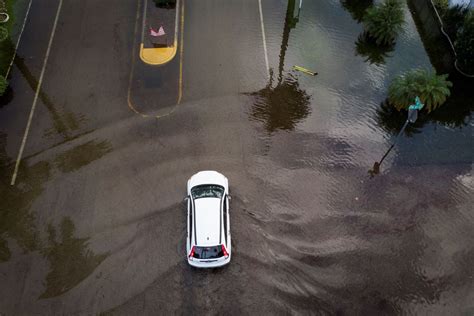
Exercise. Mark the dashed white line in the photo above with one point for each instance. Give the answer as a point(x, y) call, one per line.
point(33, 106)
point(263, 37)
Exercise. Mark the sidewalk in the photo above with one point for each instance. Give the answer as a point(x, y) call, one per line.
point(158, 50)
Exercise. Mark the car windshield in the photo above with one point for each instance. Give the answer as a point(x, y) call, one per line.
point(210, 190)
point(212, 252)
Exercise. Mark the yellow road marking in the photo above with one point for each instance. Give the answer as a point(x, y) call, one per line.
point(180, 81)
point(157, 56)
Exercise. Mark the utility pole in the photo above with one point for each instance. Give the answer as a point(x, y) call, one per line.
point(412, 117)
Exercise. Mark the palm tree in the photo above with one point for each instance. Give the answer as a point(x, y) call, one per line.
point(432, 89)
point(384, 21)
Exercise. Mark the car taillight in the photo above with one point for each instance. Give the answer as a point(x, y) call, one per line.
point(226, 254)
point(191, 255)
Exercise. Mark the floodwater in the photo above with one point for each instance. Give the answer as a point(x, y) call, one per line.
point(96, 222)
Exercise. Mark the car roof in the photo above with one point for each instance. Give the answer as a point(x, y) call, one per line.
point(208, 177)
point(208, 221)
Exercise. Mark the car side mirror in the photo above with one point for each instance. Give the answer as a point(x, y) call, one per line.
point(186, 198)
point(229, 197)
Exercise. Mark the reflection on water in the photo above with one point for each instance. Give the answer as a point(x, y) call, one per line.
point(357, 8)
point(82, 155)
point(281, 107)
point(70, 259)
point(17, 222)
point(375, 53)
point(64, 122)
point(365, 45)
point(392, 120)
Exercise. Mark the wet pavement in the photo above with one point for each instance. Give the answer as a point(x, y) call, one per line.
point(96, 224)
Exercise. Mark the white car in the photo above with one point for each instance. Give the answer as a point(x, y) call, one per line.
point(208, 235)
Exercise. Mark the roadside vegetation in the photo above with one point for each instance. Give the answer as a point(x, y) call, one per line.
point(458, 23)
point(432, 89)
point(464, 44)
point(6, 52)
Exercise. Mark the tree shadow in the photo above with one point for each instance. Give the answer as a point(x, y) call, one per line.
point(17, 221)
point(374, 53)
point(65, 123)
point(392, 120)
point(357, 8)
point(71, 260)
point(82, 155)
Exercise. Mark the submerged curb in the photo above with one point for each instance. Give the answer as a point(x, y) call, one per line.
point(156, 56)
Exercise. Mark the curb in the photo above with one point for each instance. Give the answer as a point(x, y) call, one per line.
point(157, 56)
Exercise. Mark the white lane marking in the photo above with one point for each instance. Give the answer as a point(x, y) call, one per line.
point(33, 106)
point(263, 37)
point(18, 41)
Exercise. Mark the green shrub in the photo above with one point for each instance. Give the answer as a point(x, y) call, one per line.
point(453, 19)
point(3, 85)
point(441, 5)
point(3, 33)
point(431, 88)
point(464, 44)
point(385, 21)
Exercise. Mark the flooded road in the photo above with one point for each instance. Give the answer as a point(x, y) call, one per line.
point(96, 221)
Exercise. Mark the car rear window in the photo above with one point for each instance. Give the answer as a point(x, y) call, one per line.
point(212, 252)
point(202, 191)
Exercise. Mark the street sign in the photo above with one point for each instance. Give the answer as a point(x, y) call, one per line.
point(413, 110)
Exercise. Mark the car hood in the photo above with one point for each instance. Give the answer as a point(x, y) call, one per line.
point(207, 219)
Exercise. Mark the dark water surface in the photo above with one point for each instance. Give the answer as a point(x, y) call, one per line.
point(96, 223)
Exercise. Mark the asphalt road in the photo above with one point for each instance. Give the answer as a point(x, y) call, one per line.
point(95, 222)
